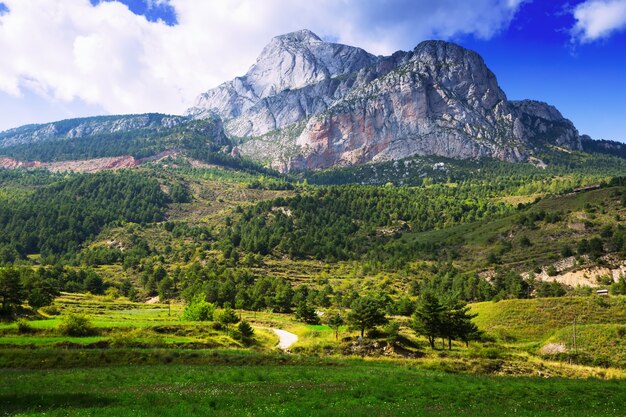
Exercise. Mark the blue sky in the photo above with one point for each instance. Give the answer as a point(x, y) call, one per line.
point(83, 57)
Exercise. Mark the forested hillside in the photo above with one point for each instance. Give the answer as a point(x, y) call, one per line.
point(57, 217)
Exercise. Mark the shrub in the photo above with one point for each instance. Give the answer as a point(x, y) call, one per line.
point(112, 293)
point(51, 310)
point(76, 325)
point(489, 352)
point(245, 331)
point(604, 279)
point(567, 251)
point(24, 327)
point(199, 309)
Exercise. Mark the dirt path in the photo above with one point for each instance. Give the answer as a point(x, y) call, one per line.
point(285, 339)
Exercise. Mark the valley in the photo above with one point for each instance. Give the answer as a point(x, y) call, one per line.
point(333, 233)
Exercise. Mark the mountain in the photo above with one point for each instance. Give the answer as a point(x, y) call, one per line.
point(108, 142)
point(307, 104)
point(89, 126)
point(609, 147)
point(310, 104)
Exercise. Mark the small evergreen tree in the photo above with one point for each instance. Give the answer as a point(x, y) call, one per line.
point(307, 314)
point(227, 317)
point(428, 318)
point(11, 291)
point(366, 313)
point(246, 331)
point(335, 322)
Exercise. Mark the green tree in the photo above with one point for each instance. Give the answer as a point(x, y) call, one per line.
point(428, 317)
point(166, 287)
point(366, 313)
point(11, 291)
point(93, 283)
point(125, 287)
point(306, 313)
point(458, 321)
point(39, 290)
point(282, 300)
point(199, 309)
point(335, 322)
point(166, 292)
point(246, 331)
point(227, 317)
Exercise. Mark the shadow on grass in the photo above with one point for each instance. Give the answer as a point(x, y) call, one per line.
point(23, 403)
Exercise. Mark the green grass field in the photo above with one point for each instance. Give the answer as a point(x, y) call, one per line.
point(145, 361)
point(316, 388)
point(537, 319)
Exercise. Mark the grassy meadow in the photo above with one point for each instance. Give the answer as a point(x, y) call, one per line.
point(317, 387)
point(145, 361)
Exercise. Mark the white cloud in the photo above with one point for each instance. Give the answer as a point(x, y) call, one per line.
point(106, 56)
point(597, 19)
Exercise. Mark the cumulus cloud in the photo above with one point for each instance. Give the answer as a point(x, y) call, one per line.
point(105, 55)
point(598, 19)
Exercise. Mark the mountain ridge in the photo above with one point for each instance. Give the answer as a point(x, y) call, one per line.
point(307, 104)
point(438, 99)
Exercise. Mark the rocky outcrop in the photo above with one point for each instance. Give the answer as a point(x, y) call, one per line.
point(443, 101)
point(544, 124)
point(10, 163)
point(100, 164)
point(609, 147)
point(309, 104)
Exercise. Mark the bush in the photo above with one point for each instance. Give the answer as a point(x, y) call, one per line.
point(112, 293)
point(567, 251)
point(246, 331)
point(488, 352)
point(199, 309)
point(76, 325)
point(551, 271)
point(51, 310)
point(24, 327)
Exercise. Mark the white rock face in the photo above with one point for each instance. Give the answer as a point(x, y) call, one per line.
point(274, 92)
point(309, 104)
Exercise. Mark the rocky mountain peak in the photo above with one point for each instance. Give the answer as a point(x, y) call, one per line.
point(303, 36)
point(538, 109)
point(299, 59)
point(309, 104)
point(289, 62)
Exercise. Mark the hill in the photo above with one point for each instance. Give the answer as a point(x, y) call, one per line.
point(546, 327)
